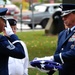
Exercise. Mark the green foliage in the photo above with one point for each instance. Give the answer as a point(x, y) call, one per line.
point(47, 1)
point(17, 4)
point(41, 1)
point(38, 45)
point(4, 0)
point(58, 1)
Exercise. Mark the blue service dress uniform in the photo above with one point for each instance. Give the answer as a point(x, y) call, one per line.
point(12, 48)
point(7, 49)
point(65, 52)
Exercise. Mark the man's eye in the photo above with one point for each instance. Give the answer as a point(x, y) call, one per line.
point(5, 26)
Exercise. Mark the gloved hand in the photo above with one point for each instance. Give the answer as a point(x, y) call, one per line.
point(8, 29)
point(50, 58)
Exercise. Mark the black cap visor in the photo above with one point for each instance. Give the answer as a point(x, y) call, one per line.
point(64, 13)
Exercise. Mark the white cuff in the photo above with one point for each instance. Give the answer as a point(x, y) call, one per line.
point(61, 58)
point(15, 41)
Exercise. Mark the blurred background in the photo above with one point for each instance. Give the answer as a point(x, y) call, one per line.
point(30, 14)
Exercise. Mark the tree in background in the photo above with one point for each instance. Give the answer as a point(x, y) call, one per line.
point(25, 4)
point(41, 1)
point(50, 1)
point(4, 2)
point(58, 1)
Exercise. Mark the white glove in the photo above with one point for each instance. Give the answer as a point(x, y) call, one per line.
point(50, 58)
point(8, 29)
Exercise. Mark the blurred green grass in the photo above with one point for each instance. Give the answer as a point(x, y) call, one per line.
point(38, 45)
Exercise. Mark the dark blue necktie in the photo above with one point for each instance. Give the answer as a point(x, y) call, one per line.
point(68, 32)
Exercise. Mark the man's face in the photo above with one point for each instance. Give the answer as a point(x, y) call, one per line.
point(69, 20)
point(2, 24)
point(14, 28)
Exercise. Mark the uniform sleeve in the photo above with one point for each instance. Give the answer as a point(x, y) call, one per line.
point(66, 57)
point(15, 50)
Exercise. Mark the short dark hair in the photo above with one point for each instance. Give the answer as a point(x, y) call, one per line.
point(12, 22)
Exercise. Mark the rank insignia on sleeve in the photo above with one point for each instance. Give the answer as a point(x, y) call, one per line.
point(11, 47)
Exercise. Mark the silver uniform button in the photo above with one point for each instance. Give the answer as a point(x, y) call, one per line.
point(72, 46)
point(62, 48)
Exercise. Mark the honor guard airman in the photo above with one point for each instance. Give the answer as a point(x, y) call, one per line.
point(14, 64)
point(65, 52)
point(12, 48)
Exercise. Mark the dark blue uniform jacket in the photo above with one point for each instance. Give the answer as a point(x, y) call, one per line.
point(66, 46)
point(7, 49)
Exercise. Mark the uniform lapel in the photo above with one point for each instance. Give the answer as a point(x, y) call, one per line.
point(69, 36)
point(62, 39)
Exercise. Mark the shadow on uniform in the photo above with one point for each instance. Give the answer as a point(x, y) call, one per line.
point(55, 24)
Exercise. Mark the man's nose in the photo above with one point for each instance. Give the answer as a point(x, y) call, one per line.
point(63, 18)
